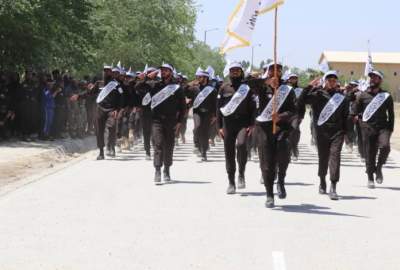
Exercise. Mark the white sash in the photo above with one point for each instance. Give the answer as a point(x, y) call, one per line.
point(202, 96)
point(330, 108)
point(106, 91)
point(165, 93)
point(146, 99)
point(374, 105)
point(235, 101)
point(283, 93)
point(298, 92)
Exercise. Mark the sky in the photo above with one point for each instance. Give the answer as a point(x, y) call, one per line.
point(307, 28)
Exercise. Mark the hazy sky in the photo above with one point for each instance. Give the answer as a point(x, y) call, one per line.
point(308, 27)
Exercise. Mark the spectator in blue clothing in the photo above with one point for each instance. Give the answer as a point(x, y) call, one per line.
point(50, 94)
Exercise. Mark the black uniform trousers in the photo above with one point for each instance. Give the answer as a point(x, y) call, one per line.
point(360, 141)
point(213, 131)
point(274, 152)
point(183, 129)
point(201, 131)
point(146, 125)
point(163, 132)
point(104, 120)
point(123, 124)
point(329, 144)
point(294, 137)
point(235, 140)
point(375, 140)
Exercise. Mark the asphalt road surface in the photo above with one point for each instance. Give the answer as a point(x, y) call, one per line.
point(109, 215)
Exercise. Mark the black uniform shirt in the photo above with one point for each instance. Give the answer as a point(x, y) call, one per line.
point(383, 118)
point(318, 98)
point(245, 112)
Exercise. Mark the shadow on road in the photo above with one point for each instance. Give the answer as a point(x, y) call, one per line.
point(298, 184)
point(175, 182)
point(312, 209)
point(255, 194)
point(349, 198)
point(389, 188)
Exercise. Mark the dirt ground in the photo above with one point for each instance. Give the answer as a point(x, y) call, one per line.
point(20, 160)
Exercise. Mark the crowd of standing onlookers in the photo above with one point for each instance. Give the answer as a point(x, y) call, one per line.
point(38, 106)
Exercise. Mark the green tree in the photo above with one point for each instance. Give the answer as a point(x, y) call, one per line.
point(45, 33)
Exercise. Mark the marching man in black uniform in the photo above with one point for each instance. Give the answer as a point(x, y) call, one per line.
point(377, 123)
point(203, 97)
point(142, 93)
point(330, 114)
point(109, 102)
point(168, 109)
point(274, 149)
point(236, 111)
point(295, 134)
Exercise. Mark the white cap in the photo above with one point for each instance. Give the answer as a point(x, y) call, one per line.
point(354, 83)
point(271, 65)
point(116, 70)
point(210, 70)
point(202, 73)
point(151, 69)
point(330, 73)
point(235, 65)
point(130, 74)
point(377, 73)
point(168, 66)
point(292, 75)
point(106, 67)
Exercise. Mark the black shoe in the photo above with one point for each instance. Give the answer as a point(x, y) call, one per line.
point(371, 184)
point(379, 175)
point(100, 157)
point(332, 193)
point(322, 187)
point(157, 177)
point(231, 190)
point(281, 190)
point(112, 152)
point(204, 157)
point(270, 203)
point(241, 182)
point(167, 177)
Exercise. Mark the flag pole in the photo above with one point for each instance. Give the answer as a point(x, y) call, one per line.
point(274, 105)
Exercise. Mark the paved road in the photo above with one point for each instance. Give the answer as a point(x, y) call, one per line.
point(110, 215)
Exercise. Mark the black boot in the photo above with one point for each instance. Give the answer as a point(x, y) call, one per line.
point(157, 176)
point(108, 151)
point(101, 154)
point(379, 174)
point(241, 181)
point(231, 188)
point(322, 186)
point(204, 157)
point(281, 189)
point(332, 193)
point(112, 152)
point(167, 176)
point(371, 183)
point(270, 203)
point(148, 156)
